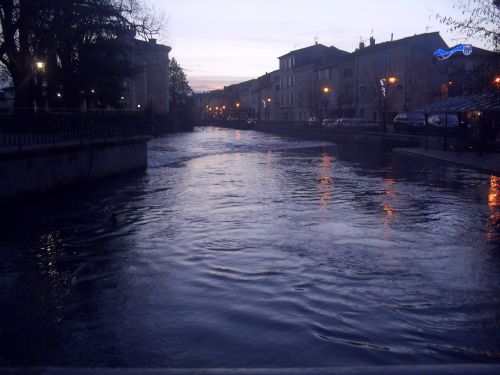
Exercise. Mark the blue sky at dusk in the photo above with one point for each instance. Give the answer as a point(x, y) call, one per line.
point(220, 42)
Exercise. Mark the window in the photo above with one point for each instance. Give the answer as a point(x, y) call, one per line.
point(300, 99)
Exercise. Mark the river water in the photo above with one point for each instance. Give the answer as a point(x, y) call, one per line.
point(244, 249)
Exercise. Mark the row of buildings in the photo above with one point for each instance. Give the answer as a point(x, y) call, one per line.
point(376, 80)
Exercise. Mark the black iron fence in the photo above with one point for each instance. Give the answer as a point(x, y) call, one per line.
point(27, 127)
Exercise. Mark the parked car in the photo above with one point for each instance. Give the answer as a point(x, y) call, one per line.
point(251, 121)
point(409, 121)
point(328, 122)
point(442, 119)
point(353, 123)
point(312, 121)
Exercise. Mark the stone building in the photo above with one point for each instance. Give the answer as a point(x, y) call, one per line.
point(149, 89)
point(398, 75)
point(300, 94)
point(374, 82)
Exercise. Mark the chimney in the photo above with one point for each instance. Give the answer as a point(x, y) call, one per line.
point(152, 41)
point(392, 37)
point(361, 45)
point(372, 41)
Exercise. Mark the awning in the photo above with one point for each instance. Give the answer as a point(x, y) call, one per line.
point(484, 103)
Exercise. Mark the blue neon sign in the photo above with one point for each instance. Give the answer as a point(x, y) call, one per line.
point(441, 54)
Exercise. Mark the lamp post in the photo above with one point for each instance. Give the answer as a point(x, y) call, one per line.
point(386, 83)
point(39, 69)
point(326, 91)
point(496, 82)
point(238, 110)
point(267, 108)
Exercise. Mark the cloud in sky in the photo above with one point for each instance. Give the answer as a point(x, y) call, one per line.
point(220, 41)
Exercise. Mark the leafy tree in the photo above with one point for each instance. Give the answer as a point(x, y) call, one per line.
point(82, 43)
point(180, 91)
point(480, 18)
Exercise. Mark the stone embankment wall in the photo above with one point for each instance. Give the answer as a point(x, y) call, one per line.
point(46, 167)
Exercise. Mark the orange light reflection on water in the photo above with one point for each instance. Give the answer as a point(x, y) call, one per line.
point(324, 181)
point(493, 229)
point(388, 207)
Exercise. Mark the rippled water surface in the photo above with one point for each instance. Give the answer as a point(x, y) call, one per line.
point(241, 249)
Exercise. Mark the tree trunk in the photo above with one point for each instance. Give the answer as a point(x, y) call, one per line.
point(23, 88)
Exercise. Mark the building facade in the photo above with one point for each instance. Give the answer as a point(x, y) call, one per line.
point(149, 89)
point(375, 82)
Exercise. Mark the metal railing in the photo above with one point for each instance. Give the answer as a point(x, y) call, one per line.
point(28, 127)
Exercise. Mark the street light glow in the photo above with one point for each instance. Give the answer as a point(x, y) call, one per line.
point(326, 90)
point(237, 105)
point(392, 80)
point(269, 100)
point(40, 65)
point(497, 80)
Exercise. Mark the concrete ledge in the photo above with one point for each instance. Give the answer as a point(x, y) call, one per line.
point(22, 151)
point(43, 168)
point(477, 369)
point(486, 162)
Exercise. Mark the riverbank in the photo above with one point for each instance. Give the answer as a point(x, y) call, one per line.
point(489, 162)
point(43, 167)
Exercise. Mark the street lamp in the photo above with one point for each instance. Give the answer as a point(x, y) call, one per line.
point(238, 110)
point(40, 65)
point(326, 91)
point(390, 81)
point(38, 82)
point(496, 81)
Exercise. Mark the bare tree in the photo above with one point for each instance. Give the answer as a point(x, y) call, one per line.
point(479, 19)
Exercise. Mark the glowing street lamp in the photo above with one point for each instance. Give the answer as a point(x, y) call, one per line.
point(391, 81)
point(496, 81)
point(269, 100)
point(40, 65)
point(326, 91)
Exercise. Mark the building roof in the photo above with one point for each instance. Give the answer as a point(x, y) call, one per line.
point(483, 102)
point(150, 45)
point(398, 42)
point(305, 50)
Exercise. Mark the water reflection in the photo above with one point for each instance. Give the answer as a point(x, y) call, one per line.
point(221, 252)
point(493, 230)
point(325, 180)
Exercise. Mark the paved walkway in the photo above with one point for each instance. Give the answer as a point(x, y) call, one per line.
point(488, 162)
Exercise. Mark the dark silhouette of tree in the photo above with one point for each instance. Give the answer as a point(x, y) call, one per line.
point(480, 18)
point(82, 43)
point(180, 91)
